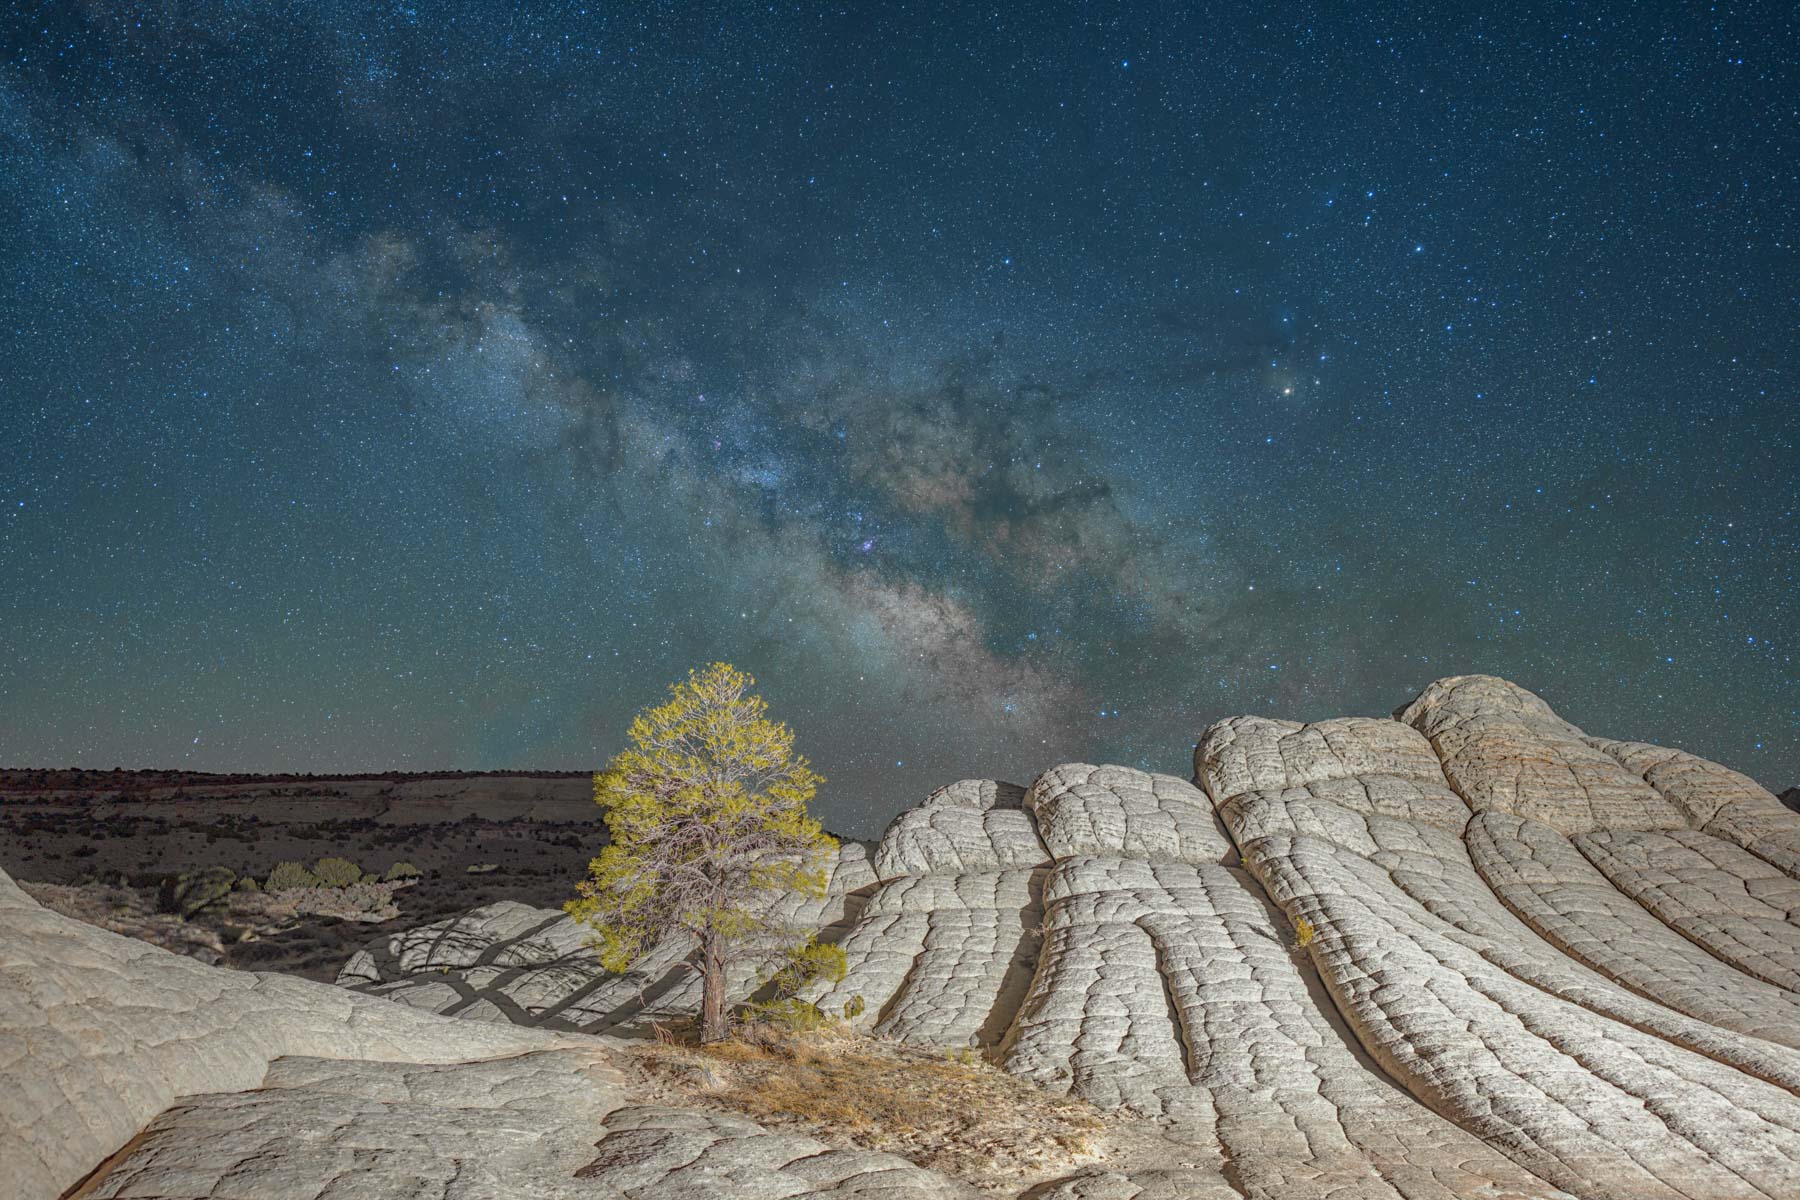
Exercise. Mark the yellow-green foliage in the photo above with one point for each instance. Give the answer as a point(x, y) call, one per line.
point(706, 808)
point(800, 965)
point(855, 1007)
point(402, 870)
point(1304, 933)
point(289, 875)
point(806, 962)
point(337, 872)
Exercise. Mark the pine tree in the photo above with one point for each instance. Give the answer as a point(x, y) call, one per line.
point(707, 814)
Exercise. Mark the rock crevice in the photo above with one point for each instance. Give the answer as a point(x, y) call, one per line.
point(1469, 951)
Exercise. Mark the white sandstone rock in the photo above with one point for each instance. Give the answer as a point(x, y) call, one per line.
point(1470, 952)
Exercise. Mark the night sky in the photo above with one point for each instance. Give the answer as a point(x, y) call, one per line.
point(408, 386)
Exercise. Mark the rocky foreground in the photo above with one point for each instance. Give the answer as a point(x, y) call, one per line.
point(1466, 952)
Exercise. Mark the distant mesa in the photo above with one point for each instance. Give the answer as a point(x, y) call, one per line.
point(1467, 950)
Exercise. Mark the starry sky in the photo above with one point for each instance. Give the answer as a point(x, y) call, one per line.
point(412, 385)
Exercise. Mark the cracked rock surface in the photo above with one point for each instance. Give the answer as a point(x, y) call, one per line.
point(539, 1127)
point(1465, 951)
point(512, 963)
point(135, 1073)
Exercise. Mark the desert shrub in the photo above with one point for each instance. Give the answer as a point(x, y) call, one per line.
point(289, 875)
point(855, 1007)
point(1304, 933)
point(337, 872)
point(799, 966)
point(246, 883)
point(402, 870)
point(806, 962)
point(483, 868)
point(192, 892)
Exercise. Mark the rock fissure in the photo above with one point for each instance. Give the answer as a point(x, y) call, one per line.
point(1537, 964)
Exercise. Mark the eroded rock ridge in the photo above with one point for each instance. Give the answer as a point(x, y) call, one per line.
point(1465, 951)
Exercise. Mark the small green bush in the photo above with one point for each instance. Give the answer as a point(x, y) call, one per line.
point(289, 875)
point(806, 962)
point(246, 883)
point(402, 870)
point(801, 965)
point(483, 868)
point(192, 892)
point(337, 872)
point(855, 1007)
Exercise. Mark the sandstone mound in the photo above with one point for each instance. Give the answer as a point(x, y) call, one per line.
point(1466, 951)
point(156, 1076)
point(1488, 967)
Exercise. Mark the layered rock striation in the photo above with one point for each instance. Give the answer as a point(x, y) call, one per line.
point(135, 1074)
point(1465, 951)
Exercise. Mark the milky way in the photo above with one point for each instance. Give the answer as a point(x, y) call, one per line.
point(395, 387)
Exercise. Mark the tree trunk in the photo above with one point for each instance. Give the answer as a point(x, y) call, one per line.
point(713, 1027)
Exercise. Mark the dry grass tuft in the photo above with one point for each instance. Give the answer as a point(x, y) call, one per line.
point(951, 1112)
point(735, 1052)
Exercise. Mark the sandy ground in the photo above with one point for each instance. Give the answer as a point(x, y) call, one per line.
point(105, 841)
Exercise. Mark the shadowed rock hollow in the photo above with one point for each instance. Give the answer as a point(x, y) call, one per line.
point(1469, 951)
